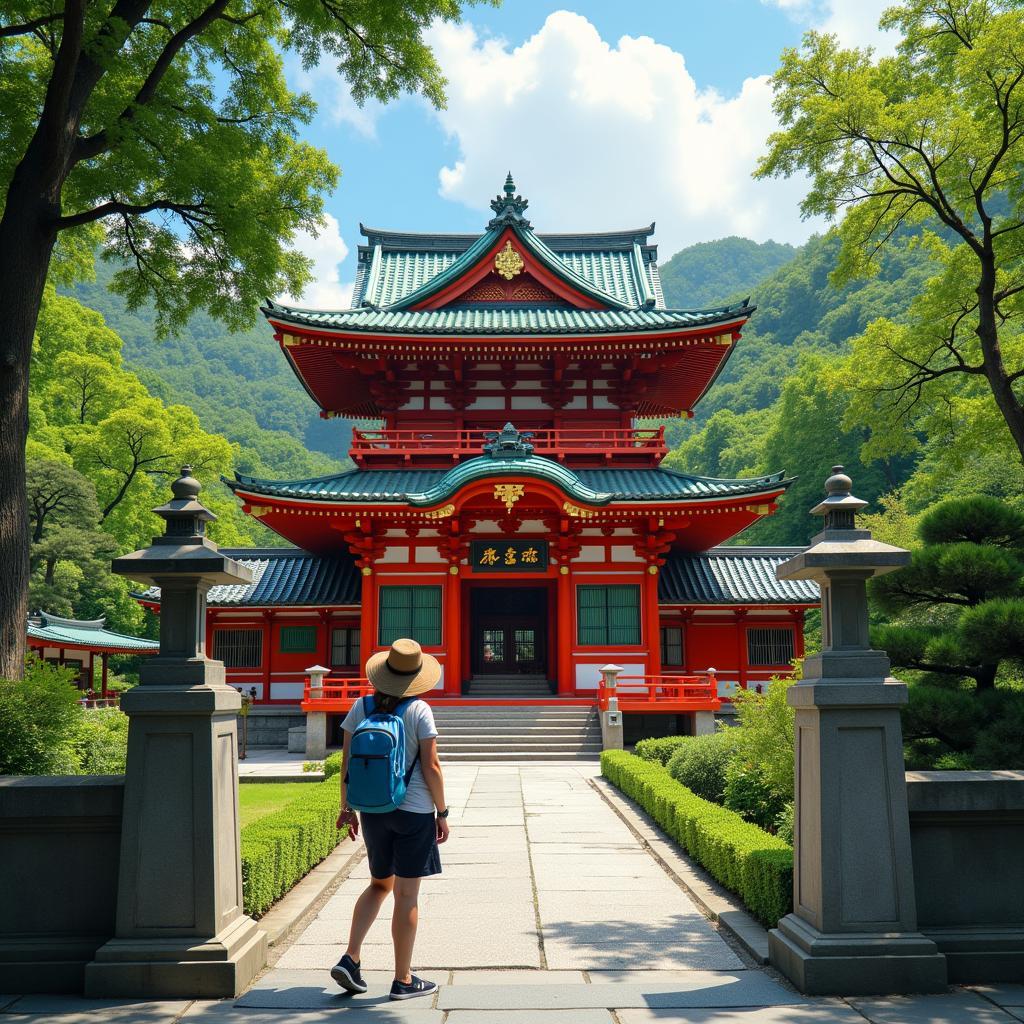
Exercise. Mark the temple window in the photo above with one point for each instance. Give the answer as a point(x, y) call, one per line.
point(238, 648)
point(413, 612)
point(766, 646)
point(298, 639)
point(345, 647)
point(608, 615)
point(672, 646)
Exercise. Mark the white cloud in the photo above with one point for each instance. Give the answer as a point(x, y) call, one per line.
point(600, 136)
point(855, 22)
point(326, 250)
point(333, 97)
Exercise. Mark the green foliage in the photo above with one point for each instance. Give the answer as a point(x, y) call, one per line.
point(279, 849)
point(101, 742)
point(332, 765)
point(39, 721)
point(748, 794)
point(764, 735)
point(977, 520)
point(757, 866)
point(660, 748)
point(700, 762)
point(708, 273)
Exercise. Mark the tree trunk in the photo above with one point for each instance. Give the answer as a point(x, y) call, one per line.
point(995, 369)
point(26, 244)
point(985, 677)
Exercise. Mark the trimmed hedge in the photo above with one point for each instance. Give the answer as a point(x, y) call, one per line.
point(332, 766)
point(700, 764)
point(279, 849)
point(758, 867)
point(660, 749)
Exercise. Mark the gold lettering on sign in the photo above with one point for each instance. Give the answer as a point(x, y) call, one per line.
point(510, 556)
point(508, 493)
point(508, 262)
point(489, 557)
point(530, 556)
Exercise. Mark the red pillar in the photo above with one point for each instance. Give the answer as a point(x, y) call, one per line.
point(566, 632)
point(103, 674)
point(324, 657)
point(650, 622)
point(741, 647)
point(267, 654)
point(452, 633)
point(368, 621)
point(798, 632)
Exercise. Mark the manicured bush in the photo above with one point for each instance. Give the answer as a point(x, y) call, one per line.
point(758, 867)
point(660, 748)
point(700, 763)
point(39, 720)
point(749, 795)
point(101, 742)
point(332, 766)
point(279, 849)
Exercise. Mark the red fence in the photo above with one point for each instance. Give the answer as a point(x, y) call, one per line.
point(661, 693)
point(336, 694)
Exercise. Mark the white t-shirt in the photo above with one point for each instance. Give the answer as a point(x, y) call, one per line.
point(419, 725)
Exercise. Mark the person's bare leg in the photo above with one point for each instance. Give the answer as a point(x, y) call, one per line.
point(403, 925)
point(365, 913)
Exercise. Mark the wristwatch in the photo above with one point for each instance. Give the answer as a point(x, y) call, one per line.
point(444, 813)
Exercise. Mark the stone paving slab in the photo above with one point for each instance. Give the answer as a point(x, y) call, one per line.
point(1004, 994)
point(314, 990)
point(825, 1012)
point(958, 1007)
point(488, 977)
point(529, 1017)
point(79, 1010)
point(381, 1012)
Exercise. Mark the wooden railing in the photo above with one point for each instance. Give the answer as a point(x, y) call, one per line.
point(100, 702)
point(439, 446)
point(662, 693)
point(338, 693)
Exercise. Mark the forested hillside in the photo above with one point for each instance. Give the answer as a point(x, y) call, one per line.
point(238, 384)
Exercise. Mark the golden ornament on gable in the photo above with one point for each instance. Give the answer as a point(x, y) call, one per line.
point(508, 262)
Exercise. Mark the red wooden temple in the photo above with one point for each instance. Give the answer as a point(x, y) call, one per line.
point(507, 506)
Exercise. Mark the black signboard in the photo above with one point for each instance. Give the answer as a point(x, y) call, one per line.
point(509, 555)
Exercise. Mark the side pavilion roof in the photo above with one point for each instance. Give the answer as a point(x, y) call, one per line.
point(85, 634)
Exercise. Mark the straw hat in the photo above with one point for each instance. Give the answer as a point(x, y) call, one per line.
point(403, 671)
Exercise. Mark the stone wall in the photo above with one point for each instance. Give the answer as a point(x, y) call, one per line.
point(967, 842)
point(60, 839)
point(268, 727)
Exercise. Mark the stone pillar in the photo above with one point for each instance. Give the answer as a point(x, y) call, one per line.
point(703, 723)
point(316, 721)
point(180, 930)
point(853, 929)
point(612, 737)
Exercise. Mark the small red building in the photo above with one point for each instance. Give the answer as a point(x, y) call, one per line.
point(523, 556)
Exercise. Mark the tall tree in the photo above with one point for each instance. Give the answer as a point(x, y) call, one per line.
point(932, 136)
point(165, 134)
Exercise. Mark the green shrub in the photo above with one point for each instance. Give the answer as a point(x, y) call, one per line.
point(660, 748)
point(277, 850)
point(102, 742)
point(309, 767)
point(764, 735)
point(785, 824)
point(39, 720)
point(700, 763)
point(748, 794)
point(757, 866)
point(332, 766)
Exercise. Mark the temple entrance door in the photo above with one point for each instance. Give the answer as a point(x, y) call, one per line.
point(509, 631)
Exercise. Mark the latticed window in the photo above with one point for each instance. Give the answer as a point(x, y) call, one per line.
point(344, 647)
point(767, 646)
point(413, 612)
point(672, 646)
point(238, 648)
point(608, 615)
point(298, 639)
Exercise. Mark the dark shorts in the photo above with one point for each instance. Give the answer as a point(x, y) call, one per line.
point(401, 843)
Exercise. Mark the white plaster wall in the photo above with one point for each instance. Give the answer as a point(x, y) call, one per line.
point(588, 675)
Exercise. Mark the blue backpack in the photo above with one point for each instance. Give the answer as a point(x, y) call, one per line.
point(377, 777)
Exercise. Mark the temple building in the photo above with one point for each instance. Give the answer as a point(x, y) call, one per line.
point(507, 506)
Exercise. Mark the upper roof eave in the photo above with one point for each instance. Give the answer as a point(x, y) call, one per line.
point(453, 241)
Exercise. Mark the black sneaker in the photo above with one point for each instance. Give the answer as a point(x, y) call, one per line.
point(416, 987)
point(346, 973)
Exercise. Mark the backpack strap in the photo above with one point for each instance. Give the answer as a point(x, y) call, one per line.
point(368, 705)
point(403, 705)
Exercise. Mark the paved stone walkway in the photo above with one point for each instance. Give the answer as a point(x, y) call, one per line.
point(548, 912)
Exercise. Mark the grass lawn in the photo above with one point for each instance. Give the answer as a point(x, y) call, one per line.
point(256, 799)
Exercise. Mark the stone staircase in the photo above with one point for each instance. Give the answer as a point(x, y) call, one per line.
point(521, 733)
point(509, 686)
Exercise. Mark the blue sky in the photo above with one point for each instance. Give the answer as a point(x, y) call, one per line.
point(609, 114)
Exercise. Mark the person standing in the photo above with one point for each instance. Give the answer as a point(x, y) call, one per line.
point(401, 844)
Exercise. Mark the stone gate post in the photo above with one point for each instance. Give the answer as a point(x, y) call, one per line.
point(180, 929)
point(853, 929)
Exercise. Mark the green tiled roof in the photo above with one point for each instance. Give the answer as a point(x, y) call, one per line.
point(393, 265)
point(57, 632)
point(507, 321)
point(732, 575)
point(420, 486)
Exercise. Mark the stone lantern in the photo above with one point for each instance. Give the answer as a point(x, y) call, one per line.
point(180, 930)
point(853, 929)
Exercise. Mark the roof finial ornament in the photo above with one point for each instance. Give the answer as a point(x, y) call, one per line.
point(508, 443)
point(840, 507)
point(509, 208)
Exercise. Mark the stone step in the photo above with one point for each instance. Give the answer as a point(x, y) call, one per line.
point(568, 732)
point(523, 756)
point(520, 747)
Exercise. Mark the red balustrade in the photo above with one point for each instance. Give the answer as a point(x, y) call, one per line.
point(661, 693)
point(425, 446)
point(338, 693)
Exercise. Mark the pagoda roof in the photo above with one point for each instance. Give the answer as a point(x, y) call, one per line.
point(732, 575)
point(86, 634)
point(486, 320)
point(283, 577)
point(429, 486)
point(289, 577)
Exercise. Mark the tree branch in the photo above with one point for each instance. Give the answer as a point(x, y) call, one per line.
point(114, 207)
point(7, 31)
